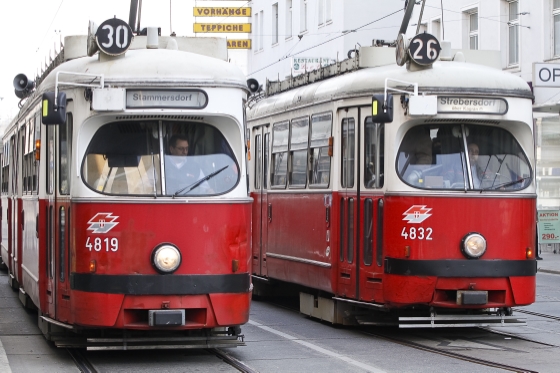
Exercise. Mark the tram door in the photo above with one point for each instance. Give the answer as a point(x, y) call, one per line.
point(13, 208)
point(59, 140)
point(63, 161)
point(360, 205)
point(370, 227)
point(18, 206)
point(48, 243)
point(347, 202)
point(261, 145)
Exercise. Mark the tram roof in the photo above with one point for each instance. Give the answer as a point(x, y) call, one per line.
point(152, 67)
point(450, 78)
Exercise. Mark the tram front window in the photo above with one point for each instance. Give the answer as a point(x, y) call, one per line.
point(160, 158)
point(462, 157)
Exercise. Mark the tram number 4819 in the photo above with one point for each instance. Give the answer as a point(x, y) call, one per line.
point(413, 233)
point(106, 244)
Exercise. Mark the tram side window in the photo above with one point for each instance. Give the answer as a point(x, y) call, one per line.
point(22, 151)
point(320, 160)
point(50, 160)
point(258, 161)
point(37, 136)
point(5, 167)
point(279, 166)
point(373, 154)
point(299, 139)
point(460, 156)
point(348, 149)
point(29, 157)
point(65, 148)
point(266, 157)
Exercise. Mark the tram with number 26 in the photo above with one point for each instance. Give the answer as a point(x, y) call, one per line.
point(396, 195)
point(125, 211)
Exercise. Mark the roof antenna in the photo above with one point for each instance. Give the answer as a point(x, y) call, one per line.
point(420, 19)
point(132, 14)
point(442, 25)
point(408, 6)
point(139, 16)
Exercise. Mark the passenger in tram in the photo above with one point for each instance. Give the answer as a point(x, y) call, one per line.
point(476, 171)
point(180, 171)
point(420, 148)
point(417, 150)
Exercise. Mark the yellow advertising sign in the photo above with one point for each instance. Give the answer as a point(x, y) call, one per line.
point(222, 27)
point(239, 43)
point(221, 12)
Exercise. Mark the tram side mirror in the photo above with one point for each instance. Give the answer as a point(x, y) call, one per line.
point(382, 112)
point(51, 113)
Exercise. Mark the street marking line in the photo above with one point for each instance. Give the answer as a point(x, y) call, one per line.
point(369, 368)
point(4, 363)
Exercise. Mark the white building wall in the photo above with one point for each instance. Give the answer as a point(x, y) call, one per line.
point(535, 30)
point(326, 40)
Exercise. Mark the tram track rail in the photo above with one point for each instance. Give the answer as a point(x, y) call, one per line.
point(228, 359)
point(516, 336)
point(451, 354)
point(447, 353)
point(81, 361)
point(537, 314)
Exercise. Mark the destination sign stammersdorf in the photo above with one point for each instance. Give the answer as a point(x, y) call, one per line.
point(183, 99)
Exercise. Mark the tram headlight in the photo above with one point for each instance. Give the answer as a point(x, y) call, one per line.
point(166, 258)
point(473, 245)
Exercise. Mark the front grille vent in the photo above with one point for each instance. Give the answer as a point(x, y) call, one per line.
point(162, 117)
point(469, 121)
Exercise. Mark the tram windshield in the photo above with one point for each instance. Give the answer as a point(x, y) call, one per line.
point(160, 158)
point(463, 157)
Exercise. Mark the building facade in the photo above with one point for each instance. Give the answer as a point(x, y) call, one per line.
point(295, 32)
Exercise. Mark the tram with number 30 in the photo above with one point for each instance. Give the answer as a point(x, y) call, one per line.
point(125, 211)
point(396, 195)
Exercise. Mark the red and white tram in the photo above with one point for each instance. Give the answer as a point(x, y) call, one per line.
point(408, 192)
point(126, 216)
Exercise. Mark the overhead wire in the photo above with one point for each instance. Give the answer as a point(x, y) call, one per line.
point(325, 42)
point(48, 28)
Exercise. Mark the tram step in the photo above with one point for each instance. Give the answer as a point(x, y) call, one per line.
point(461, 321)
point(161, 343)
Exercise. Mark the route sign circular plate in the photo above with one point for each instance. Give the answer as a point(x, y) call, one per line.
point(114, 36)
point(424, 49)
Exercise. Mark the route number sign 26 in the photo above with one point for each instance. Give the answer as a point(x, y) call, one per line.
point(424, 49)
point(114, 36)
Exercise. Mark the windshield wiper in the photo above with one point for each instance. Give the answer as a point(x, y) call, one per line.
point(188, 188)
point(492, 187)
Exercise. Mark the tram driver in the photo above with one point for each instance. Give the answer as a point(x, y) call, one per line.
point(181, 172)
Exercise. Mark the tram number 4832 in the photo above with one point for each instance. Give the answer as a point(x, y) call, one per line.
point(106, 244)
point(413, 233)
